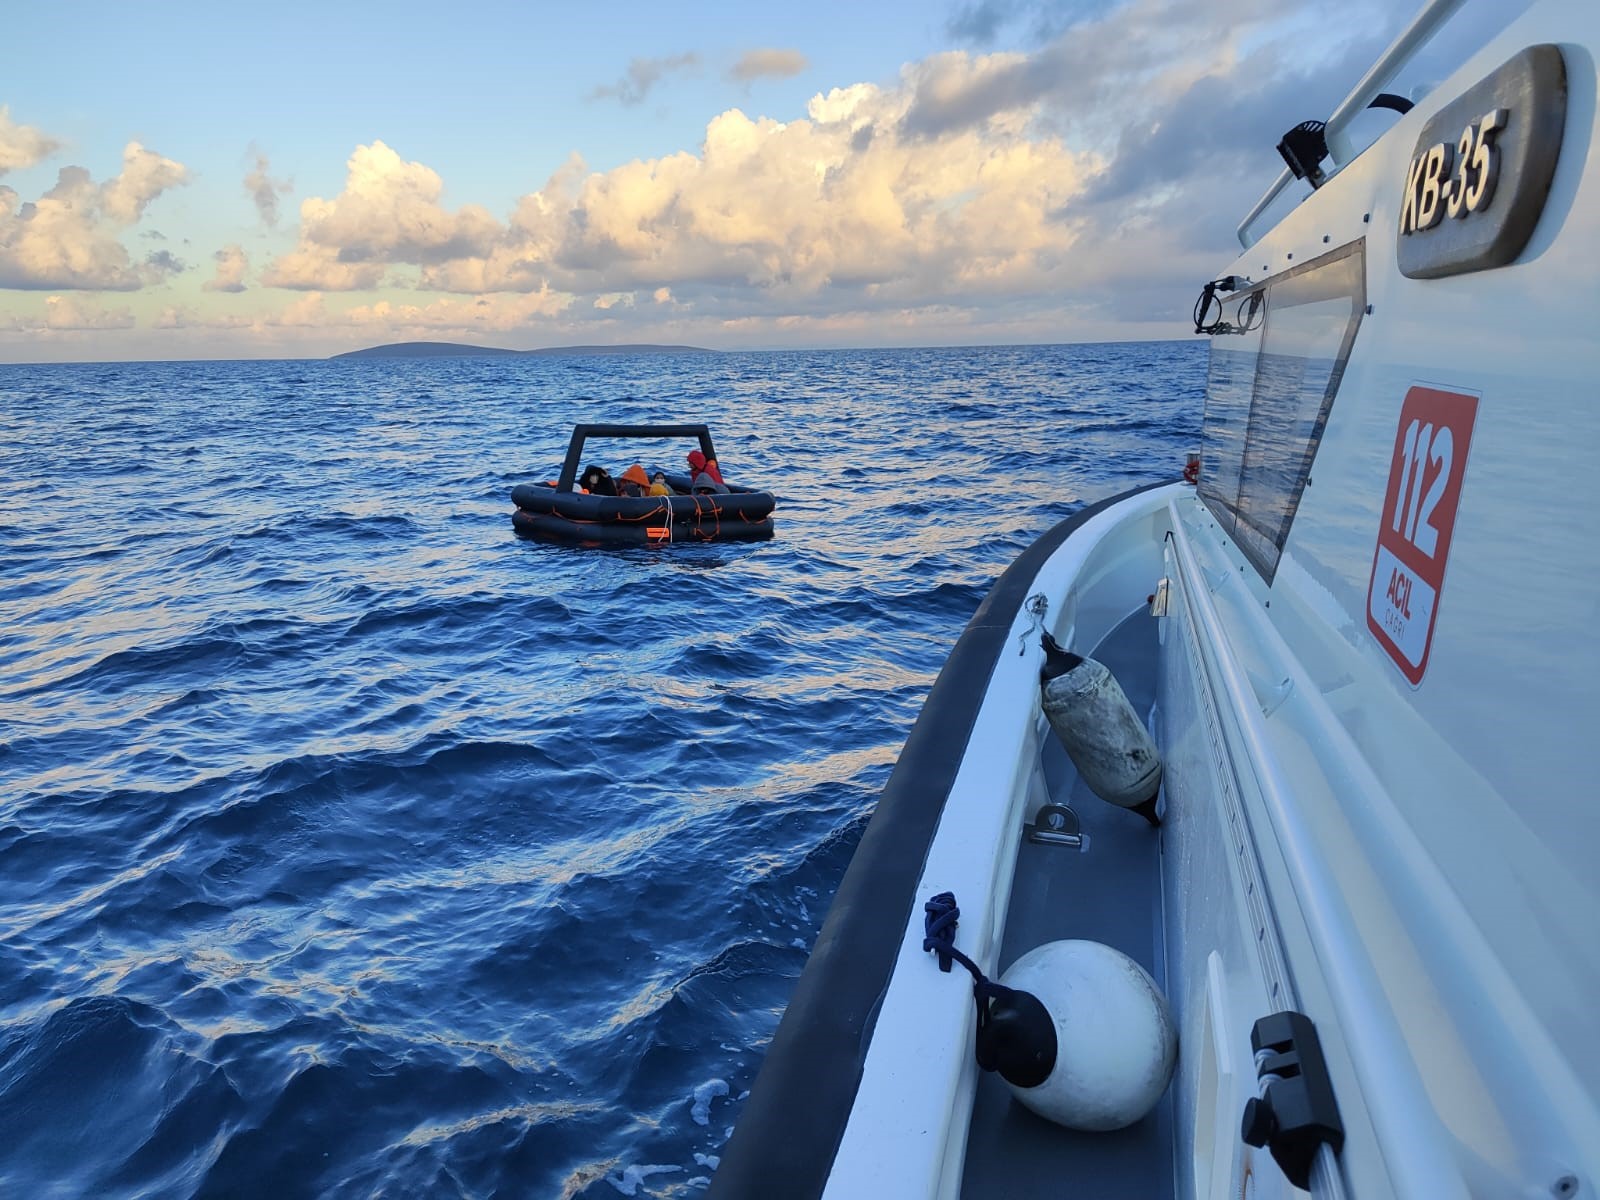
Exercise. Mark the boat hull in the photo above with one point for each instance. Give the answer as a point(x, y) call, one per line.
point(556, 528)
point(547, 513)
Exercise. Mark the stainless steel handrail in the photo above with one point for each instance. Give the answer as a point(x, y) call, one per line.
point(1340, 148)
point(1411, 39)
point(1285, 177)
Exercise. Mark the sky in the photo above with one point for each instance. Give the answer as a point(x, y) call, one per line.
point(186, 180)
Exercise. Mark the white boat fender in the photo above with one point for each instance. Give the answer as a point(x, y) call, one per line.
point(1103, 736)
point(1078, 1030)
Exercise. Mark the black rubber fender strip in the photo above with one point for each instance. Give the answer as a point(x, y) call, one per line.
point(556, 528)
point(740, 505)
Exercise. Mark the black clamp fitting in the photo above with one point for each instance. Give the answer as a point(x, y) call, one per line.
point(1295, 1113)
point(1204, 322)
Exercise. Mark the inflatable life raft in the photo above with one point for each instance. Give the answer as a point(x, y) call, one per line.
point(560, 511)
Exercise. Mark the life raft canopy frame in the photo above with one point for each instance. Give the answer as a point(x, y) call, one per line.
point(582, 433)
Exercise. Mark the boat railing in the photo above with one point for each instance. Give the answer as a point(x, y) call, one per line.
point(1341, 149)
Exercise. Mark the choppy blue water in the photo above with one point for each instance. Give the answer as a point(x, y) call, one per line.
point(351, 845)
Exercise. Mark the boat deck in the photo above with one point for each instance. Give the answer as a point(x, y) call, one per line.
point(1108, 891)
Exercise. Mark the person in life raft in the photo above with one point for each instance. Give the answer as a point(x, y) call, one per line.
point(704, 474)
point(597, 481)
point(634, 481)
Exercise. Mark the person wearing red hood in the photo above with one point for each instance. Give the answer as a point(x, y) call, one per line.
point(699, 463)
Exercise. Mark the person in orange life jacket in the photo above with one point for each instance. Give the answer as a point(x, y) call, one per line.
point(634, 482)
point(705, 477)
point(699, 463)
point(659, 485)
point(597, 481)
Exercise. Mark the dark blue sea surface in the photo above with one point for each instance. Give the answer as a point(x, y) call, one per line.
point(351, 845)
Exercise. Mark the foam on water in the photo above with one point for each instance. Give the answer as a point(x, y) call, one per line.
point(700, 1110)
point(351, 845)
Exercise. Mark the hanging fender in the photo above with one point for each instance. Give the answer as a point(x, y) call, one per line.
point(1104, 737)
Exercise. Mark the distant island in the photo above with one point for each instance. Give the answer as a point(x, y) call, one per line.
point(461, 350)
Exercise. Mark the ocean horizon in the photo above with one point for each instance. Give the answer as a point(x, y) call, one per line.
point(599, 351)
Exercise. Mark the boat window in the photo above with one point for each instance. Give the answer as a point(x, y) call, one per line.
point(1269, 390)
point(1230, 379)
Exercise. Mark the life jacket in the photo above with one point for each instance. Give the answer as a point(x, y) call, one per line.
point(699, 463)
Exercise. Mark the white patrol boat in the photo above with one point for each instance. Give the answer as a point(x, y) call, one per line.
point(1274, 866)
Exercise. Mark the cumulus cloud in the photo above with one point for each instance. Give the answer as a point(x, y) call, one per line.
point(955, 90)
point(68, 238)
point(389, 212)
point(144, 176)
point(760, 64)
point(319, 268)
point(1179, 106)
point(264, 190)
point(1096, 175)
point(68, 313)
point(840, 207)
point(22, 145)
point(497, 314)
point(311, 319)
point(643, 74)
point(178, 316)
point(835, 207)
point(231, 266)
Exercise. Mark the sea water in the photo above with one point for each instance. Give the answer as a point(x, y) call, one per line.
point(351, 845)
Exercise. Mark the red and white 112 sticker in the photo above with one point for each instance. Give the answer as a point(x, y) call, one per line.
point(1419, 517)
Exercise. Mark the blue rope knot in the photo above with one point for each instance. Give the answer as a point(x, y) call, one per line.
point(939, 927)
point(939, 935)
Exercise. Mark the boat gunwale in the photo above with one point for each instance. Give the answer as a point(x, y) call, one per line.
point(786, 1140)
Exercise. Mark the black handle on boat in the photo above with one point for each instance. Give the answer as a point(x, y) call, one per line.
point(1296, 1112)
point(582, 433)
